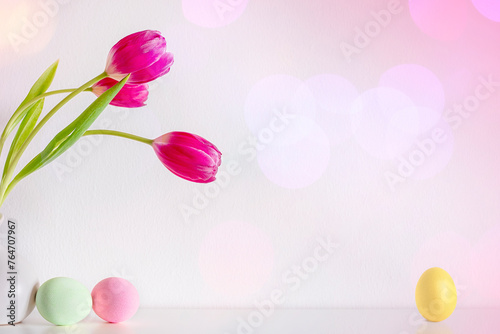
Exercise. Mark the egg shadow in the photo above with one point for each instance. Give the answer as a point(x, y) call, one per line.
point(111, 328)
point(429, 327)
point(71, 329)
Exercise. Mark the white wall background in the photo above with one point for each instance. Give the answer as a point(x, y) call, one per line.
point(114, 210)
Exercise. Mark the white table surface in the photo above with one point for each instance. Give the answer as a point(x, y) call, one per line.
point(208, 321)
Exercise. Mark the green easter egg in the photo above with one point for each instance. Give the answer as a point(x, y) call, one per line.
point(63, 301)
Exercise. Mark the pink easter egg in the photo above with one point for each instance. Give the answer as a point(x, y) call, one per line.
point(115, 299)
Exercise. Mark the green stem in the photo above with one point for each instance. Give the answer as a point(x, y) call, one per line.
point(54, 92)
point(14, 120)
point(119, 134)
point(15, 159)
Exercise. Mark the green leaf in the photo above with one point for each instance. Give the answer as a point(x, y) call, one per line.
point(43, 83)
point(39, 87)
point(27, 125)
point(29, 116)
point(69, 135)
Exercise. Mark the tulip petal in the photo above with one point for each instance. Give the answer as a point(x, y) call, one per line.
point(130, 96)
point(188, 163)
point(134, 53)
point(191, 140)
point(156, 70)
point(188, 156)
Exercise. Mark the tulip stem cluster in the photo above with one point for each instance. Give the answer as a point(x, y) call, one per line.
point(133, 62)
point(59, 106)
point(7, 183)
point(17, 115)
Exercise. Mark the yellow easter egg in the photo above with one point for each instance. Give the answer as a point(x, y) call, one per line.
point(436, 295)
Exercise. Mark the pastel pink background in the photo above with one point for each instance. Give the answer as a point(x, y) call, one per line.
point(336, 119)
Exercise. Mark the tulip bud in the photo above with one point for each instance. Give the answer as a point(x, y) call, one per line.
point(188, 156)
point(142, 54)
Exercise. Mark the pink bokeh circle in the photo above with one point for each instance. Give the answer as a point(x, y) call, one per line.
point(300, 164)
point(213, 13)
point(236, 258)
point(441, 19)
point(385, 122)
point(334, 97)
point(488, 8)
point(417, 82)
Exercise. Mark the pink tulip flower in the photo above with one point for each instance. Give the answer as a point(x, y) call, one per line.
point(142, 54)
point(130, 96)
point(188, 156)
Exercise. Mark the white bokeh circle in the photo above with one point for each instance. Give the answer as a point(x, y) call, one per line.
point(385, 122)
point(334, 97)
point(278, 103)
point(417, 82)
point(437, 146)
point(299, 164)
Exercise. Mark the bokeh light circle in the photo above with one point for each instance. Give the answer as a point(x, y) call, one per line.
point(417, 82)
point(300, 164)
point(334, 97)
point(385, 122)
point(213, 13)
point(488, 8)
point(236, 258)
point(26, 28)
point(427, 118)
point(429, 155)
point(277, 103)
point(441, 19)
point(437, 145)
